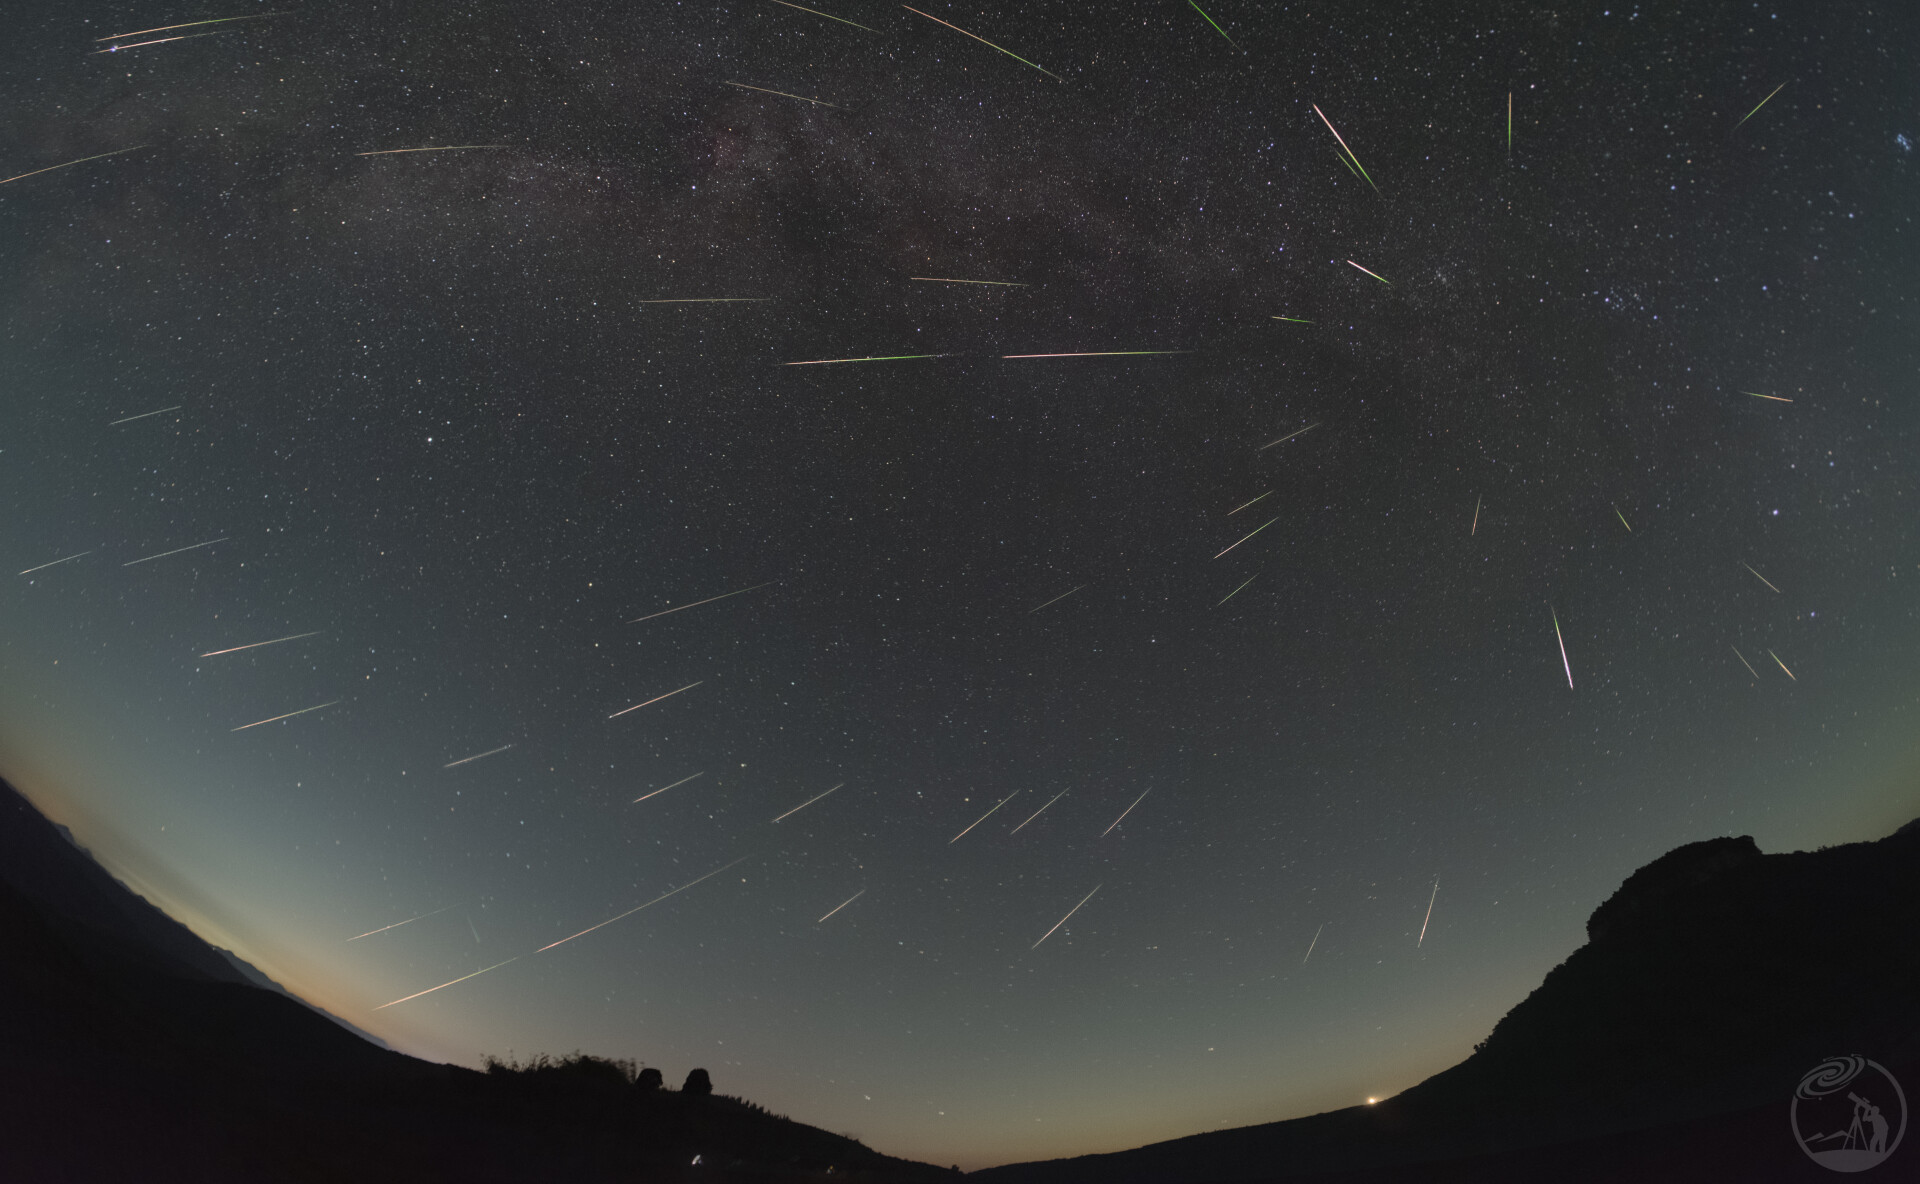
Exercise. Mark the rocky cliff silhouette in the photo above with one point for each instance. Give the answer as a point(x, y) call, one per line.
point(1665, 1049)
point(132, 1050)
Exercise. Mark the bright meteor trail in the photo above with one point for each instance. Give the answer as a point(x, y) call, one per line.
point(288, 715)
point(990, 45)
point(829, 16)
point(1288, 436)
point(1056, 600)
point(1063, 920)
point(655, 699)
point(984, 817)
point(843, 904)
point(71, 163)
point(443, 986)
point(783, 94)
point(1250, 534)
point(1563, 649)
point(1758, 576)
point(434, 148)
point(1376, 275)
point(1042, 810)
point(257, 644)
point(55, 563)
point(1756, 107)
point(885, 358)
point(145, 414)
point(696, 604)
point(1423, 924)
point(630, 912)
point(803, 805)
point(643, 797)
point(177, 550)
point(477, 756)
point(1351, 158)
point(1105, 353)
point(1124, 813)
point(219, 20)
point(398, 924)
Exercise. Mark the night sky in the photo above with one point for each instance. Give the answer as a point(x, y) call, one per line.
point(1637, 369)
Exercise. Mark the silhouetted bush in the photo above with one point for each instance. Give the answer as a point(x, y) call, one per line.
point(649, 1079)
point(576, 1071)
point(698, 1083)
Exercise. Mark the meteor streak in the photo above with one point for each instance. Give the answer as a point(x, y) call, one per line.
point(696, 604)
point(984, 817)
point(1210, 21)
point(643, 797)
point(144, 414)
point(1056, 600)
point(1763, 102)
point(1622, 518)
point(1354, 160)
point(709, 300)
point(990, 45)
point(885, 358)
point(71, 163)
point(55, 563)
point(1125, 812)
point(1775, 398)
point(810, 801)
point(257, 644)
point(1295, 320)
point(1313, 943)
point(1236, 591)
point(1063, 920)
point(829, 16)
point(1250, 534)
point(1288, 436)
point(1244, 505)
point(655, 699)
point(477, 756)
point(1105, 353)
point(1509, 123)
point(928, 279)
point(1743, 661)
point(1782, 665)
point(1475, 529)
point(432, 148)
point(1042, 810)
point(463, 978)
point(630, 912)
point(288, 715)
point(177, 550)
point(783, 94)
point(219, 20)
point(1376, 275)
point(1563, 650)
point(116, 48)
point(843, 904)
point(398, 924)
point(1758, 576)
point(1423, 924)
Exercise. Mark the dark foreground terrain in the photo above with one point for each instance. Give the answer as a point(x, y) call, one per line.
point(132, 1051)
point(1667, 1048)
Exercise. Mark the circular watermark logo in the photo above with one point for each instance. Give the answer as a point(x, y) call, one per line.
point(1849, 1114)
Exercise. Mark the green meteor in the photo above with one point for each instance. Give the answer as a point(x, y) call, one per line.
point(1763, 102)
point(1236, 591)
point(1352, 161)
point(1622, 518)
point(259, 16)
point(1509, 123)
point(1376, 275)
point(1210, 21)
point(831, 17)
point(1295, 320)
point(982, 40)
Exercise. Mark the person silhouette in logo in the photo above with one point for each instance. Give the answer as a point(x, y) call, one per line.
point(1867, 1112)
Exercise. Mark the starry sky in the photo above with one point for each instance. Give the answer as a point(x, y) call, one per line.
point(1400, 612)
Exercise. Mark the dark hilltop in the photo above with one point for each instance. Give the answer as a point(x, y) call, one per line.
point(132, 1050)
point(1668, 1048)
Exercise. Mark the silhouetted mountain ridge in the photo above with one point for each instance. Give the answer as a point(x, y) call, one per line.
point(1711, 981)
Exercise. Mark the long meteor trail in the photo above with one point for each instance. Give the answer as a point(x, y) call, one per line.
point(828, 15)
point(177, 550)
point(1210, 21)
point(1758, 576)
point(443, 986)
point(630, 912)
point(1313, 943)
point(783, 94)
point(1775, 398)
point(696, 604)
point(1475, 529)
point(1756, 107)
point(643, 797)
point(254, 645)
point(1288, 436)
point(1056, 600)
point(1743, 661)
point(1063, 920)
point(288, 715)
point(55, 563)
point(1350, 157)
point(477, 756)
point(1376, 275)
point(1423, 924)
point(655, 699)
point(1244, 505)
point(219, 20)
point(1042, 810)
point(1782, 665)
point(843, 904)
point(982, 40)
point(1125, 812)
point(708, 300)
point(145, 414)
point(1250, 534)
point(398, 924)
point(882, 358)
point(69, 164)
point(432, 148)
point(984, 817)
point(1105, 353)
point(1563, 649)
point(930, 279)
point(810, 801)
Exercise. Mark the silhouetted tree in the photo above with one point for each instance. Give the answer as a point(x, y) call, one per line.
point(698, 1083)
point(649, 1079)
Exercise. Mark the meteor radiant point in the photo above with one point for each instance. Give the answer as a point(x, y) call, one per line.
point(254, 645)
point(643, 797)
point(1063, 920)
point(810, 801)
point(982, 40)
point(655, 699)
